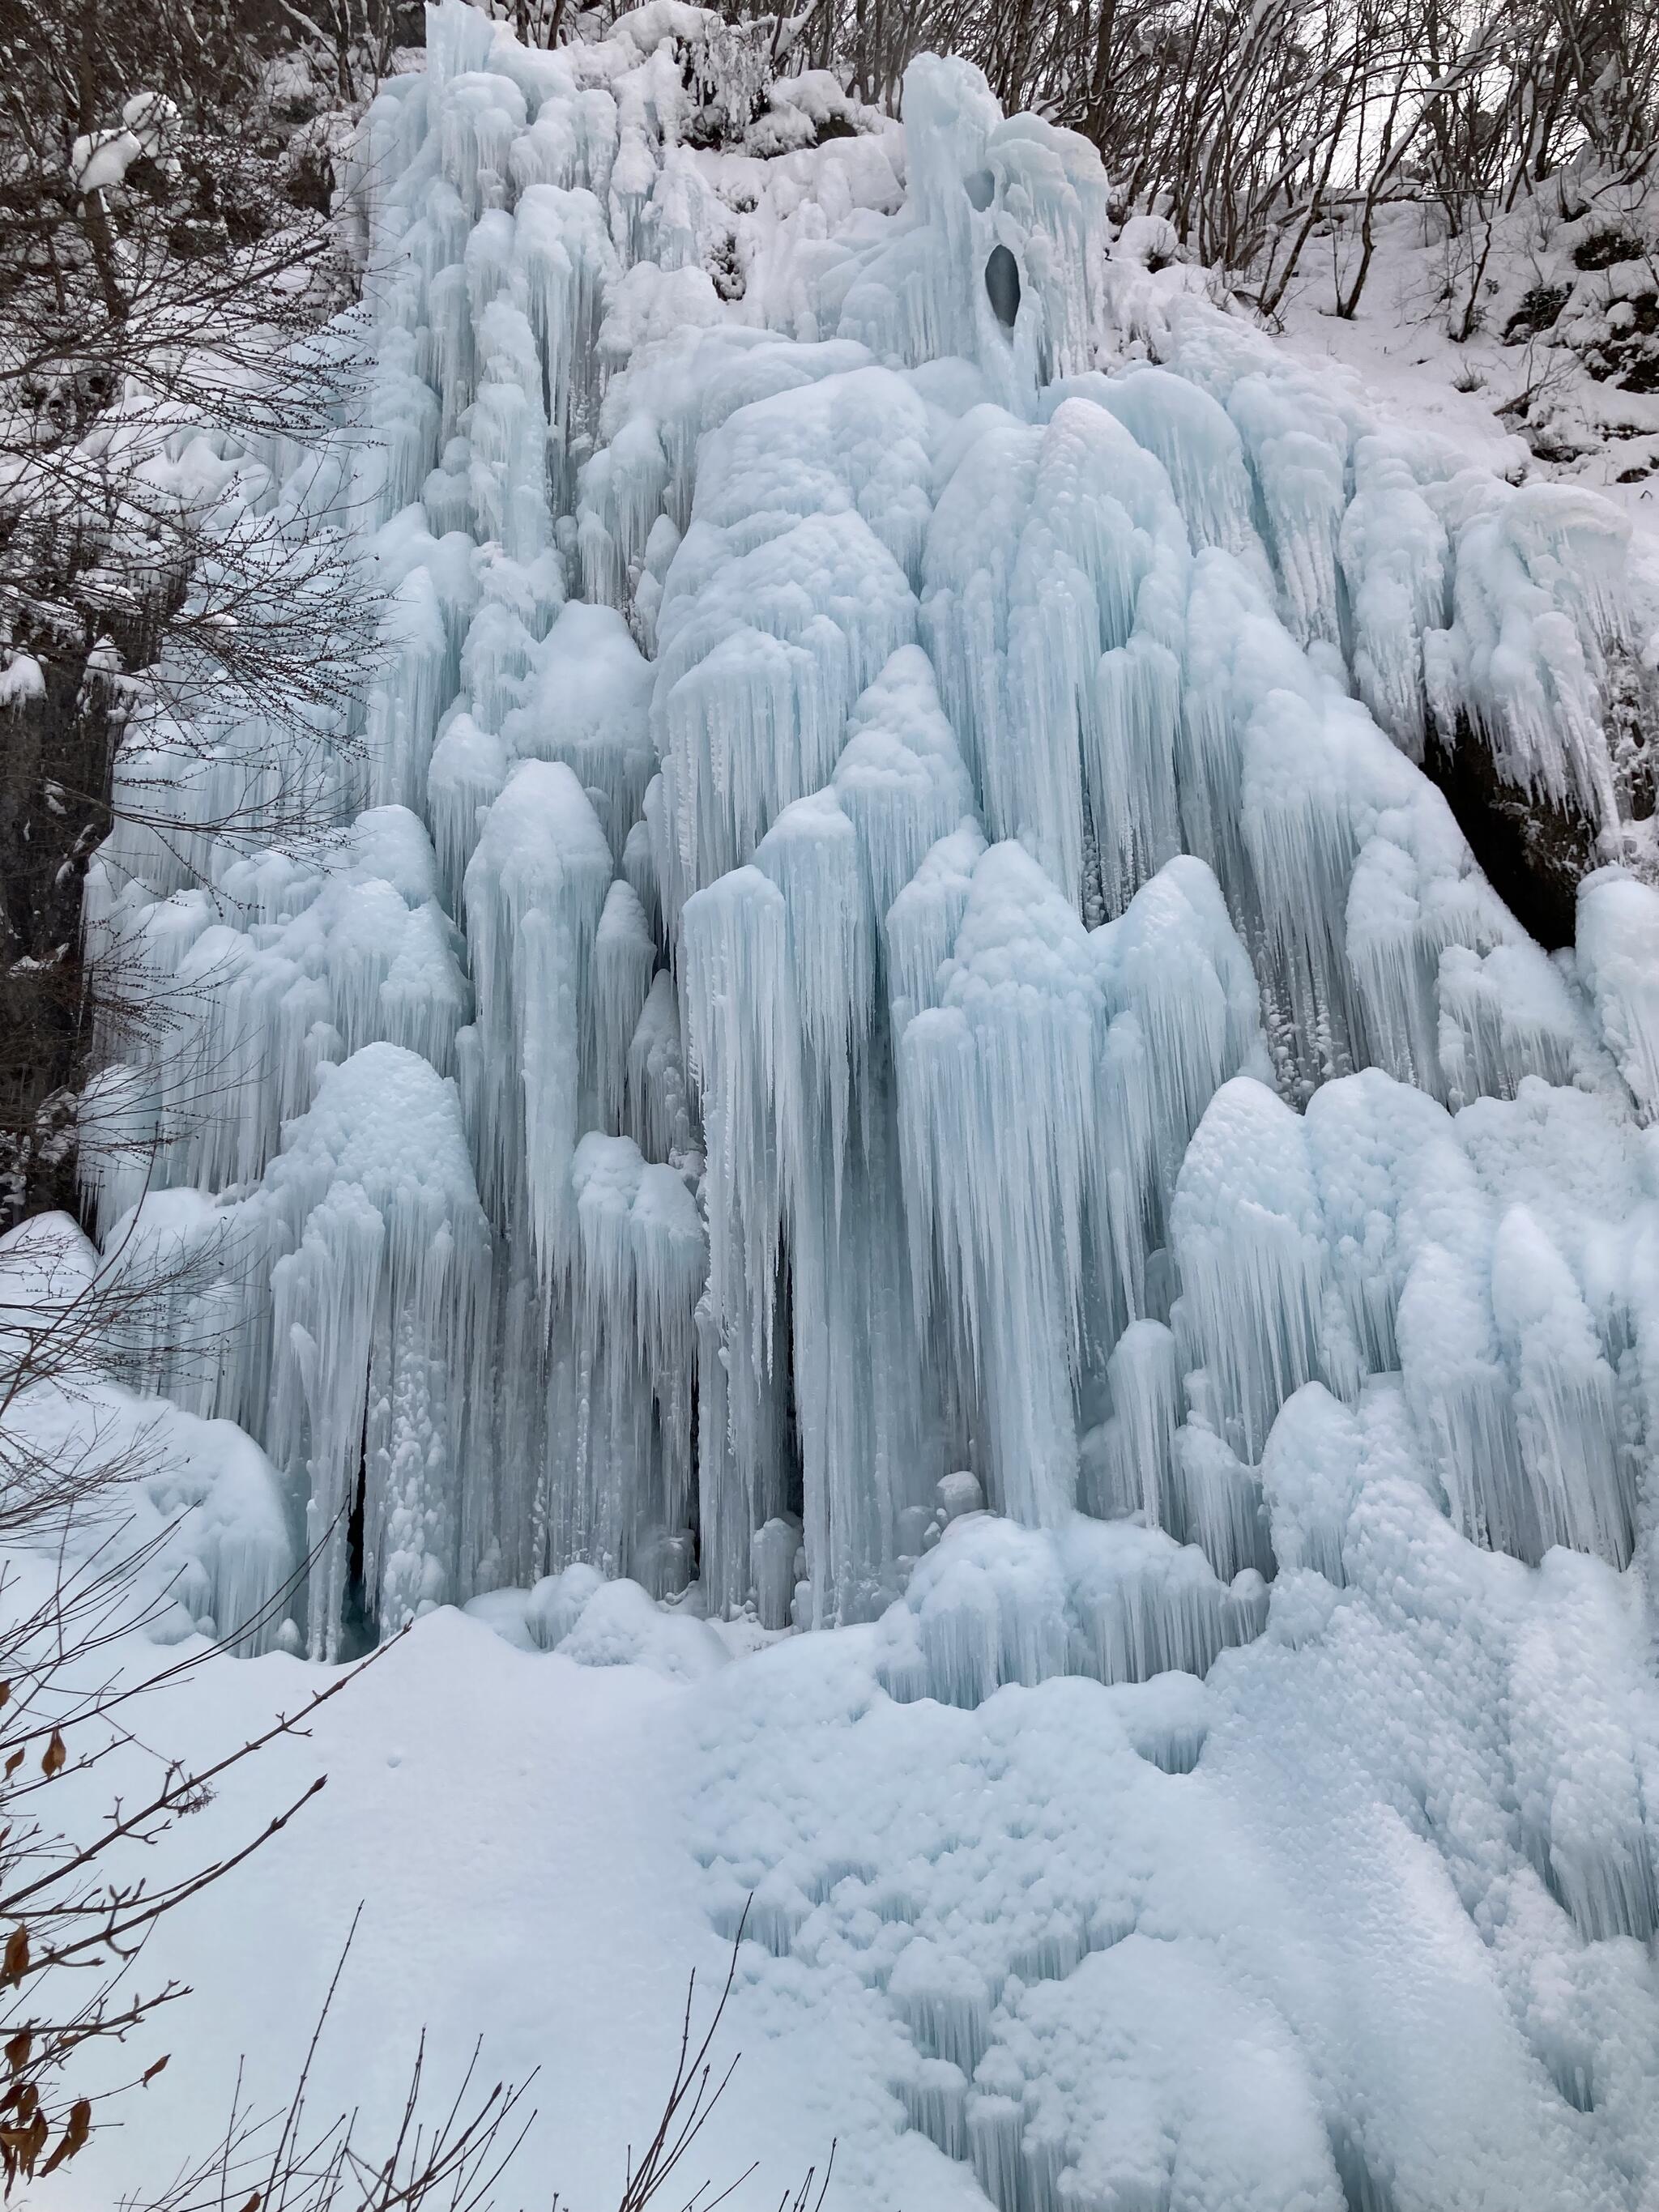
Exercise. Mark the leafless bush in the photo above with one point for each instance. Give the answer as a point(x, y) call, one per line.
point(451, 2151)
point(77, 1915)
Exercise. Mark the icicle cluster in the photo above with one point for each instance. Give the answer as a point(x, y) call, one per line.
point(886, 867)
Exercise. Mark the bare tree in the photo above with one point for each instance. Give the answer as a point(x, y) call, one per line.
point(160, 273)
point(1255, 125)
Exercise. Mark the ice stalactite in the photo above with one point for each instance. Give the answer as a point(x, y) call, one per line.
point(1395, 558)
point(623, 1500)
point(1538, 597)
point(999, 1125)
point(786, 597)
point(379, 1342)
point(746, 1062)
point(1051, 584)
point(1618, 952)
point(1043, 1207)
point(993, 1604)
point(1183, 1015)
point(1374, 1234)
point(1245, 1229)
point(536, 885)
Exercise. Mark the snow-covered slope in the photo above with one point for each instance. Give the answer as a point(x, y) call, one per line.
point(1540, 332)
point(893, 956)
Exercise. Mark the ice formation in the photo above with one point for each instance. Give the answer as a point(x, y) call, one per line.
point(888, 953)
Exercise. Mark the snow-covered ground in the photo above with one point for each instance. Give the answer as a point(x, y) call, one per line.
point(514, 1830)
point(1517, 392)
point(891, 954)
point(1322, 1951)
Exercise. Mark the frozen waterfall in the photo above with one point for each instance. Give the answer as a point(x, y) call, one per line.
point(893, 1033)
point(903, 771)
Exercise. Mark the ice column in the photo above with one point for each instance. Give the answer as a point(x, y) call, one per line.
point(378, 1333)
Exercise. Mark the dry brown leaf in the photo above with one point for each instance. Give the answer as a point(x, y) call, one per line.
point(15, 1963)
point(79, 2128)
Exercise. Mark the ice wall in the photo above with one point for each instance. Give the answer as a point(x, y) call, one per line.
point(890, 819)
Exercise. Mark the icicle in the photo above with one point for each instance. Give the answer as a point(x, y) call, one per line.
point(507, 436)
point(563, 251)
point(784, 602)
point(742, 1038)
point(1618, 948)
point(1222, 1501)
point(1582, 1491)
point(587, 703)
point(1130, 1464)
point(377, 1334)
point(1246, 1225)
point(1182, 1001)
point(535, 889)
point(478, 118)
point(469, 768)
point(356, 949)
point(899, 779)
point(810, 852)
point(1395, 561)
point(624, 958)
point(923, 921)
point(1146, 1606)
point(1035, 567)
point(639, 1270)
point(659, 1102)
point(1537, 601)
point(997, 1115)
point(1200, 448)
point(639, 863)
point(1298, 451)
point(994, 1603)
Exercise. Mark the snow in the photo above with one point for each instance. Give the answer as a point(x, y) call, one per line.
point(23, 679)
point(194, 1504)
point(971, 1280)
point(1618, 948)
